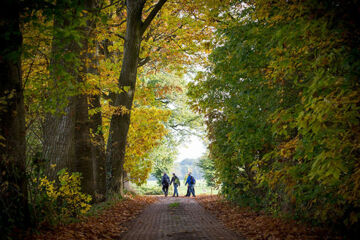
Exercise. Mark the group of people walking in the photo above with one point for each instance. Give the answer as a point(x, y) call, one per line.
point(190, 182)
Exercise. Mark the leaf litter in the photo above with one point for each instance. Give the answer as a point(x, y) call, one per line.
point(259, 226)
point(110, 223)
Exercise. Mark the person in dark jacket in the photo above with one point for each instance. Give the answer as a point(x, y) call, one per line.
point(176, 182)
point(187, 190)
point(191, 183)
point(165, 181)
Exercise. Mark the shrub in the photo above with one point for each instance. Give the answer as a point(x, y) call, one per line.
point(55, 201)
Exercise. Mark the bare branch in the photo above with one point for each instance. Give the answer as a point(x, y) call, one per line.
point(143, 61)
point(28, 73)
point(152, 15)
point(112, 4)
point(119, 24)
point(120, 36)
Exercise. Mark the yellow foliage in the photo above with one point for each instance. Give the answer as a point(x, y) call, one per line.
point(145, 133)
point(287, 149)
point(66, 196)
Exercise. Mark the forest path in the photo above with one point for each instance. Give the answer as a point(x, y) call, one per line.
point(177, 218)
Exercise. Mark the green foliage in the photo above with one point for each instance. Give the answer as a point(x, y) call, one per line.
point(169, 92)
point(208, 169)
point(163, 159)
point(282, 101)
point(149, 190)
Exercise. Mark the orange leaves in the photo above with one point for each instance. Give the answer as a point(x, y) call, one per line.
point(110, 224)
point(254, 225)
point(145, 133)
point(168, 90)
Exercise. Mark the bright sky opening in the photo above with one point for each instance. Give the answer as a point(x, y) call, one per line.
point(194, 148)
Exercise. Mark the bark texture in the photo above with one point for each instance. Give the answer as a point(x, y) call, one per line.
point(83, 156)
point(120, 122)
point(59, 138)
point(97, 137)
point(13, 182)
point(67, 141)
point(98, 149)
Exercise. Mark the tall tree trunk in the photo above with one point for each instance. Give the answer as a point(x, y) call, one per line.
point(13, 182)
point(98, 142)
point(67, 141)
point(120, 122)
point(83, 146)
point(59, 129)
point(98, 149)
point(59, 140)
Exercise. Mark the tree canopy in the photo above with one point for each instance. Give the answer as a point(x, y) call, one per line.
point(281, 98)
point(97, 93)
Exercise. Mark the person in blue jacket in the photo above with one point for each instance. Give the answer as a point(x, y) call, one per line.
point(165, 181)
point(191, 183)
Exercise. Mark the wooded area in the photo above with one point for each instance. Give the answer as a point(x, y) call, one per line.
point(69, 71)
point(93, 95)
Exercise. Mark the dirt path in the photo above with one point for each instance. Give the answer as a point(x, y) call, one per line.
point(177, 218)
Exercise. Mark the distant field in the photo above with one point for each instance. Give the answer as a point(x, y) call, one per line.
point(152, 188)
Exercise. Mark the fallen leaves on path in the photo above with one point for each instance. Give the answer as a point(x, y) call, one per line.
point(253, 225)
point(110, 224)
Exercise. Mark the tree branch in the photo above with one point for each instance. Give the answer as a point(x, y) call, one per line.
point(143, 61)
point(112, 4)
point(152, 15)
point(120, 36)
point(119, 24)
